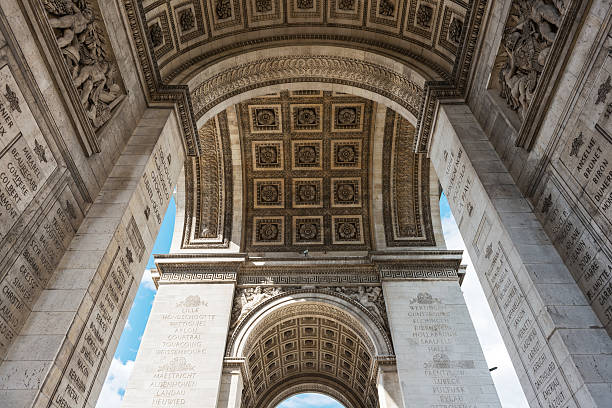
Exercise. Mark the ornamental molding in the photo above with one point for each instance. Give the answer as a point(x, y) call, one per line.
point(272, 294)
point(418, 274)
point(196, 272)
point(197, 277)
point(297, 68)
point(422, 102)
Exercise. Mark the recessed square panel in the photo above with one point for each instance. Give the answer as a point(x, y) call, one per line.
point(265, 119)
point(345, 11)
point(306, 117)
point(307, 192)
point(307, 230)
point(306, 154)
point(300, 11)
point(345, 154)
point(346, 192)
point(347, 229)
point(268, 230)
point(265, 12)
point(385, 15)
point(267, 155)
point(347, 117)
point(269, 193)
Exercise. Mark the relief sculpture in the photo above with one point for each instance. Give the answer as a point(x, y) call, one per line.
point(93, 73)
point(530, 32)
point(248, 298)
point(369, 297)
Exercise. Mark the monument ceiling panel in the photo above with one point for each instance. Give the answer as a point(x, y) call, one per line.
point(306, 157)
point(405, 180)
point(309, 346)
point(184, 32)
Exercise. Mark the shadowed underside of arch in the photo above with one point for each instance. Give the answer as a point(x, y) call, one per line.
point(299, 169)
point(307, 346)
point(178, 40)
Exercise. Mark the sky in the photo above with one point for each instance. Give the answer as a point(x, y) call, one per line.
point(506, 382)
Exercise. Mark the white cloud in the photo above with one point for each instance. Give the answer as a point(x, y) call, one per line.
point(115, 384)
point(506, 382)
point(147, 280)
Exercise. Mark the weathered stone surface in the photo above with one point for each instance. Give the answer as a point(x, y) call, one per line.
point(180, 358)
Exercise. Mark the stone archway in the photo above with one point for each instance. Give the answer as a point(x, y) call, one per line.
point(307, 338)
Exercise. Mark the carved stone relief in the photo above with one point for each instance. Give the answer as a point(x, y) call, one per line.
point(406, 209)
point(306, 156)
point(527, 42)
point(81, 37)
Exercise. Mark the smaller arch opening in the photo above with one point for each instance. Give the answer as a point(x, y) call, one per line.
point(310, 400)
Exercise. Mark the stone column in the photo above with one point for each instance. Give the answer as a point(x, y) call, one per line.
point(180, 359)
point(389, 390)
point(560, 350)
point(67, 343)
point(439, 359)
point(230, 393)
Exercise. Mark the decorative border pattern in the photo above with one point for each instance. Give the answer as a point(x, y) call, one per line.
point(397, 144)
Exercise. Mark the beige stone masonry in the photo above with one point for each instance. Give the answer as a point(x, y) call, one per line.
point(439, 359)
point(180, 359)
point(559, 348)
point(63, 352)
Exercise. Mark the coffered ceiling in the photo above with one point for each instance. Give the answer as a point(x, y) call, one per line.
point(319, 348)
point(185, 33)
point(306, 157)
point(304, 177)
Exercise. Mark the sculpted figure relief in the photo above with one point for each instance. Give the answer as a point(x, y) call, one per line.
point(248, 298)
point(368, 296)
point(530, 33)
point(79, 39)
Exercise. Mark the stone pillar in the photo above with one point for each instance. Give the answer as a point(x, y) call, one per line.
point(67, 343)
point(439, 359)
point(180, 359)
point(561, 352)
point(389, 390)
point(230, 393)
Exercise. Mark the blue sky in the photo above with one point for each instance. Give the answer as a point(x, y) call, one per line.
point(505, 379)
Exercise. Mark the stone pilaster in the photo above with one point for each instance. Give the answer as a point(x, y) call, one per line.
point(180, 359)
point(560, 350)
point(439, 359)
point(67, 343)
point(230, 392)
point(389, 389)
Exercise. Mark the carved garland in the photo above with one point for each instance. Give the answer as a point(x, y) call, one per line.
point(277, 70)
point(435, 90)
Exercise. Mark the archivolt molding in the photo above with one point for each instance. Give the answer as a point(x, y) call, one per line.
point(401, 93)
point(296, 302)
point(303, 338)
point(297, 68)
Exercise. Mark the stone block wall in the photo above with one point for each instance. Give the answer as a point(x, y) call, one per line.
point(49, 181)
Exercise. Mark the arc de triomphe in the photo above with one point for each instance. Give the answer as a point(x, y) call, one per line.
point(306, 143)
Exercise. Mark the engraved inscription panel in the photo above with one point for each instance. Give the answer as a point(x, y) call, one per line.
point(25, 159)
